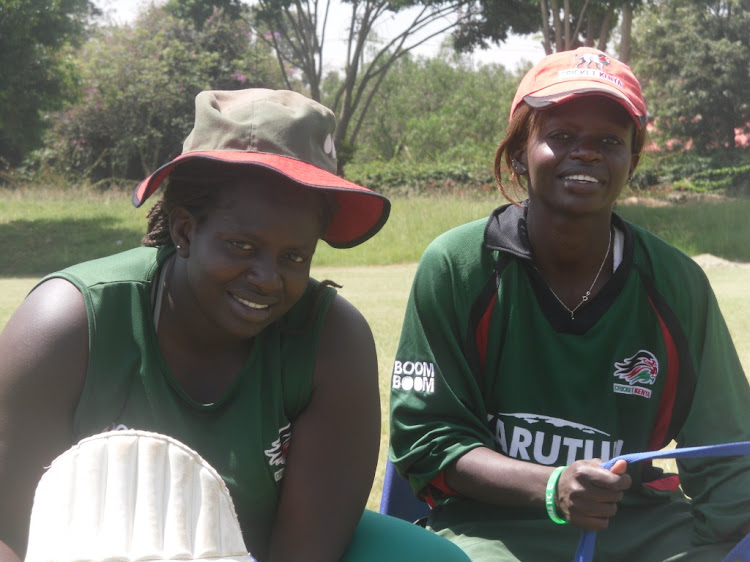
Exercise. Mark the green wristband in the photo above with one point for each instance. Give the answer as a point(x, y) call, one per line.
point(549, 495)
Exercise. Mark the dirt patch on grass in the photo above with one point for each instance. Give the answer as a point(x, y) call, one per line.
point(635, 200)
point(672, 198)
point(708, 260)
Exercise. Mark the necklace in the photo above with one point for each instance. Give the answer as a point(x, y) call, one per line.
point(588, 293)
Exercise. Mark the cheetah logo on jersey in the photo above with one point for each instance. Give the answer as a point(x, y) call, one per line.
point(279, 448)
point(641, 368)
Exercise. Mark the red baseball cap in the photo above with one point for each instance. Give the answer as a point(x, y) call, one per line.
point(285, 132)
point(585, 71)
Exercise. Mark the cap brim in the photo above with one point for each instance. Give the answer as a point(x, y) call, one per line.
point(558, 93)
point(361, 213)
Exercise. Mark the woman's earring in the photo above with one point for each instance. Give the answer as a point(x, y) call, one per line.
point(518, 168)
point(178, 246)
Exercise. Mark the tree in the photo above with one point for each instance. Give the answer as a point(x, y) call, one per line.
point(563, 25)
point(139, 87)
point(198, 11)
point(37, 72)
point(438, 110)
point(296, 29)
point(694, 61)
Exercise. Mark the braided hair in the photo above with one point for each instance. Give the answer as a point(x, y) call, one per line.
point(195, 186)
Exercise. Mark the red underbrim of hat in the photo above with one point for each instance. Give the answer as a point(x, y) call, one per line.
point(562, 92)
point(361, 213)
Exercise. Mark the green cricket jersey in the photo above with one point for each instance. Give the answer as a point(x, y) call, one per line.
point(245, 434)
point(489, 358)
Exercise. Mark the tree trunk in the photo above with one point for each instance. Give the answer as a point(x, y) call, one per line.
point(626, 33)
point(557, 25)
point(605, 28)
point(590, 33)
point(546, 39)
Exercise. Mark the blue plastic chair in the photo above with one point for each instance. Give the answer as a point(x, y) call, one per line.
point(398, 500)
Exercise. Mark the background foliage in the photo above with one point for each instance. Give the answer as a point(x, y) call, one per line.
point(117, 101)
point(694, 60)
point(37, 68)
point(437, 110)
point(139, 84)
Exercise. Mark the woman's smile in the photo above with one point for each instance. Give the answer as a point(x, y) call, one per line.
point(250, 304)
point(579, 156)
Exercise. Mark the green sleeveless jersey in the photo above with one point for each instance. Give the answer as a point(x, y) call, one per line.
point(489, 358)
point(245, 434)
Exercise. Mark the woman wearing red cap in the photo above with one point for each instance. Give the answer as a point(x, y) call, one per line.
point(555, 336)
point(214, 334)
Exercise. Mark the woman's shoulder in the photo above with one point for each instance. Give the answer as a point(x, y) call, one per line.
point(134, 264)
point(312, 307)
point(659, 256)
point(456, 239)
point(670, 271)
point(457, 248)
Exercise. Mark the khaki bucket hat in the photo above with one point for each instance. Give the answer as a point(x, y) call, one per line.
point(131, 495)
point(285, 132)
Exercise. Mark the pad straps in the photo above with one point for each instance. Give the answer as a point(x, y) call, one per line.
point(585, 551)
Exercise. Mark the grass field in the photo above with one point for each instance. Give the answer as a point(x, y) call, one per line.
point(45, 230)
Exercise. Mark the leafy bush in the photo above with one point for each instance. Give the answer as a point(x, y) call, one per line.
point(723, 171)
point(693, 60)
point(139, 86)
point(37, 69)
point(396, 178)
point(437, 110)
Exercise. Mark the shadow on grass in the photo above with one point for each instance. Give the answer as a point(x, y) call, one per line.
point(35, 248)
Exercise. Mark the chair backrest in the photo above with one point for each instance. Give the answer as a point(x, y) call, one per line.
point(398, 500)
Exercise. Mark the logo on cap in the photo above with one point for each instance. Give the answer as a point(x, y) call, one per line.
point(328, 147)
point(582, 68)
point(587, 59)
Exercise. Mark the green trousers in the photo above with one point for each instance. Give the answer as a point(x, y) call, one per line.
point(660, 533)
point(382, 538)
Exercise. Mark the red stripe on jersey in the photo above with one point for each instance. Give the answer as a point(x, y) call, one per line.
point(439, 485)
point(669, 483)
point(666, 404)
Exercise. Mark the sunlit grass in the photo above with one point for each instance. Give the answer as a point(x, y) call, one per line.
point(697, 227)
point(414, 222)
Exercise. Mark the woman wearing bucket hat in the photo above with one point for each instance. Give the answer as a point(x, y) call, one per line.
point(556, 336)
point(214, 334)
